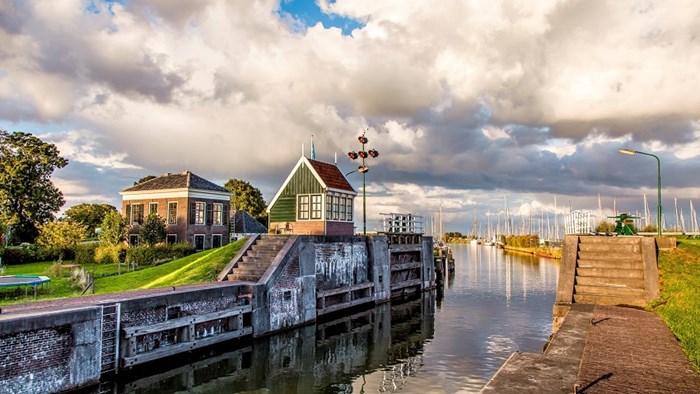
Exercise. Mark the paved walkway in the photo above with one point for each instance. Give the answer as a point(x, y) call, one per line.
point(629, 350)
point(602, 349)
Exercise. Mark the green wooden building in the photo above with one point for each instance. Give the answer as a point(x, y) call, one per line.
point(315, 199)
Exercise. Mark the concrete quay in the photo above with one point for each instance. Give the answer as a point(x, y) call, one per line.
point(602, 349)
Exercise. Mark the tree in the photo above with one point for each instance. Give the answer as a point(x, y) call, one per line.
point(246, 197)
point(60, 236)
point(153, 230)
point(144, 179)
point(113, 229)
point(28, 198)
point(605, 227)
point(89, 215)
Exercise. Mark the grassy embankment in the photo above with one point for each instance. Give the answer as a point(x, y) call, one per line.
point(679, 303)
point(196, 268)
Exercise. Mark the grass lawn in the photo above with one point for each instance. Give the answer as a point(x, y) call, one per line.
point(196, 268)
point(679, 303)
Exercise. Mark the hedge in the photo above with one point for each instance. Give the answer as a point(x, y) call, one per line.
point(158, 254)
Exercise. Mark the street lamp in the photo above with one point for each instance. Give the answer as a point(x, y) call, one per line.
point(362, 169)
point(658, 183)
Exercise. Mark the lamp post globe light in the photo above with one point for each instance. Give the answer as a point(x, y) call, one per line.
point(658, 183)
point(362, 169)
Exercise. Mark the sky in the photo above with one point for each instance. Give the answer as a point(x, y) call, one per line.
point(471, 104)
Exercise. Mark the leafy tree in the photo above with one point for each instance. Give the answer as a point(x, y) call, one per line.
point(60, 236)
point(153, 230)
point(28, 198)
point(89, 215)
point(246, 197)
point(113, 229)
point(144, 179)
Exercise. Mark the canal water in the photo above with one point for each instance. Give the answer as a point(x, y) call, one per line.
point(450, 341)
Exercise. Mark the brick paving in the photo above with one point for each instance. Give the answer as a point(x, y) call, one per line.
point(633, 351)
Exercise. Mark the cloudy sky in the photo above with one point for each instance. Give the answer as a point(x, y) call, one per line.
point(469, 103)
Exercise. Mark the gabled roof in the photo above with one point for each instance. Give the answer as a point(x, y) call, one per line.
point(328, 175)
point(184, 180)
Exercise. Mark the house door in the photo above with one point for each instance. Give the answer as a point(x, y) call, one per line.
point(216, 240)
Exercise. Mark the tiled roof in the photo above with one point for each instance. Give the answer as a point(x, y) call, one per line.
point(177, 181)
point(331, 175)
point(246, 224)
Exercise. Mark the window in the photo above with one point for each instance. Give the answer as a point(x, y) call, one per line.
point(199, 242)
point(216, 240)
point(171, 239)
point(137, 213)
point(152, 208)
point(133, 240)
point(218, 214)
point(172, 213)
point(348, 209)
point(341, 208)
point(316, 206)
point(303, 206)
point(199, 211)
point(336, 207)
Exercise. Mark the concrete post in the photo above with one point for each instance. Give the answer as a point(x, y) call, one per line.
point(379, 262)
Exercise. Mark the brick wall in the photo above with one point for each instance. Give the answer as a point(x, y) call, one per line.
point(285, 298)
point(310, 227)
point(49, 352)
point(340, 228)
point(340, 264)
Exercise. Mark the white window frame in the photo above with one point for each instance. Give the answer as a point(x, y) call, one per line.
point(303, 214)
point(131, 219)
point(200, 216)
point(171, 235)
point(150, 209)
point(169, 212)
point(316, 207)
point(217, 218)
point(221, 240)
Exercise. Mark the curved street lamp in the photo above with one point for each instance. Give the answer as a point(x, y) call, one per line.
point(362, 169)
point(658, 183)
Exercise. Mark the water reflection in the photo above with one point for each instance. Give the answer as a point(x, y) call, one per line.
point(494, 304)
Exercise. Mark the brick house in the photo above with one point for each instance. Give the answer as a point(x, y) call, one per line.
point(195, 209)
point(315, 199)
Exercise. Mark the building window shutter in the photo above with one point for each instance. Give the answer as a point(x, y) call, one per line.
point(128, 213)
point(209, 214)
point(224, 214)
point(193, 212)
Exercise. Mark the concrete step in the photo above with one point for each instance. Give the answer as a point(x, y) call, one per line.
point(611, 255)
point(611, 240)
point(608, 300)
point(243, 278)
point(605, 247)
point(609, 273)
point(250, 271)
point(253, 264)
point(636, 283)
point(621, 291)
point(266, 261)
point(610, 264)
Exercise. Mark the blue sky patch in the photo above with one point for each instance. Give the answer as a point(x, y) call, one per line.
point(308, 13)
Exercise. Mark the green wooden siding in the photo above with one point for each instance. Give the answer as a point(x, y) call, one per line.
point(302, 182)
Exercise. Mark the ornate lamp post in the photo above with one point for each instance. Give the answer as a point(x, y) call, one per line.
point(658, 183)
point(362, 154)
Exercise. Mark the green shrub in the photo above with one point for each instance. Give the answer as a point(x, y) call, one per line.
point(110, 254)
point(85, 253)
point(158, 254)
point(13, 255)
point(523, 241)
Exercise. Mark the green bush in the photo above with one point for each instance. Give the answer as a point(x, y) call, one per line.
point(158, 254)
point(110, 254)
point(13, 255)
point(85, 253)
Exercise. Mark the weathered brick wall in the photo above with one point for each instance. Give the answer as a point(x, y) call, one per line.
point(340, 264)
point(285, 297)
point(40, 354)
point(49, 352)
point(308, 227)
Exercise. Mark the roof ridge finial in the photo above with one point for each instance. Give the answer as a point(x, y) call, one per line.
point(313, 148)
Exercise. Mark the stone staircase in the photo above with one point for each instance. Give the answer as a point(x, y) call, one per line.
point(610, 270)
point(255, 261)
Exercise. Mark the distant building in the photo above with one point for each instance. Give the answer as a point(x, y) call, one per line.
point(195, 209)
point(315, 199)
point(243, 224)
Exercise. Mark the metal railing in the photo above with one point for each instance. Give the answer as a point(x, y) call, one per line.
point(402, 223)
